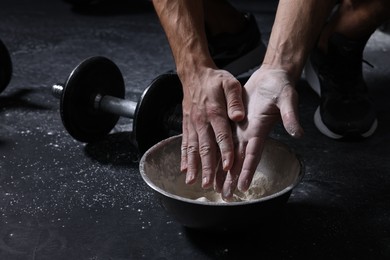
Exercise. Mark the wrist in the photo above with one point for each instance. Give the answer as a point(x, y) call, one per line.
point(191, 65)
point(291, 62)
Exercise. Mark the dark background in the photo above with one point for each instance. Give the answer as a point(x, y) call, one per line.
point(61, 199)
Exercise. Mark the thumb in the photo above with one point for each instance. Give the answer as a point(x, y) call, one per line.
point(234, 101)
point(289, 112)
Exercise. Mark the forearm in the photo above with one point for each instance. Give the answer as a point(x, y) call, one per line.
point(183, 23)
point(297, 26)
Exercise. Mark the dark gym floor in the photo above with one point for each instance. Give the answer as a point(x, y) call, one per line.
point(61, 199)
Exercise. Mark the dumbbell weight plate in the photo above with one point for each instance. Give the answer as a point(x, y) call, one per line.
point(159, 100)
point(5, 67)
point(96, 75)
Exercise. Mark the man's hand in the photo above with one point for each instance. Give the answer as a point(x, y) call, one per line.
point(269, 96)
point(212, 98)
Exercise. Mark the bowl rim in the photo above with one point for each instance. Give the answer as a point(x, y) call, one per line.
point(148, 181)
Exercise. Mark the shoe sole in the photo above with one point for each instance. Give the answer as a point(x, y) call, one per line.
point(248, 61)
point(314, 83)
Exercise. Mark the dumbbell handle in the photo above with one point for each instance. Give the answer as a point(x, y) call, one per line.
point(114, 105)
point(106, 103)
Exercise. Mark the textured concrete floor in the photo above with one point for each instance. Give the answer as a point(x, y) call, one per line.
point(61, 199)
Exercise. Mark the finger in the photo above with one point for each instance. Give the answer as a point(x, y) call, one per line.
point(252, 158)
point(288, 106)
point(224, 138)
point(234, 102)
point(229, 185)
point(220, 176)
point(184, 145)
point(207, 152)
point(192, 155)
point(230, 182)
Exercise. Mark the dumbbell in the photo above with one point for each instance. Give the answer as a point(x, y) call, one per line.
point(5, 67)
point(92, 101)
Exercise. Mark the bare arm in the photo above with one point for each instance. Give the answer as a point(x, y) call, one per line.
point(297, 26)
point(212, 97)
point(183, 23)
point(270, 92)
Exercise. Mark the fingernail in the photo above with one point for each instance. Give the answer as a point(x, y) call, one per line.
point(296, 132)
point(237, 115)
point(227, 194)
point(189, 178)
point(205, 182)
point(243, 186)
point(225, 165)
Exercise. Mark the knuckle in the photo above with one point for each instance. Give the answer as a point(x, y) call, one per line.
point(184, 146)
point(221, 137)
point(198, 118)
point(235, 102)
point(232, 85)
point(215, 111)
point(233, 91)
point(206, 170)
point(184, 152)
point(192, 149)
point(205, 150)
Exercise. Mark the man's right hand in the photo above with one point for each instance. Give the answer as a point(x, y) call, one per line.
point(212, 99)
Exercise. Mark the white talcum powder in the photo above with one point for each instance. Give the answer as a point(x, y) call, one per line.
point(278, 169)
point(260, 187)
